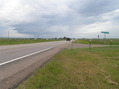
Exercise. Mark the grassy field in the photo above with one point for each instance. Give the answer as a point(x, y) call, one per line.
point(99, 41)
point(97, 68)
point(12, 41)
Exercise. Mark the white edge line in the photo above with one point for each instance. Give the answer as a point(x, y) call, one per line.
point(25, 56)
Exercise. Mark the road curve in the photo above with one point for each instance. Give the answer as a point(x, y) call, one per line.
point(18, 61)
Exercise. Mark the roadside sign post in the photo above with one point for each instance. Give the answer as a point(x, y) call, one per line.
point(105, 33)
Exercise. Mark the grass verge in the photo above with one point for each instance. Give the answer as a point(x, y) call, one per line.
point(99, 41)
point(13, 41)
point(97, 68)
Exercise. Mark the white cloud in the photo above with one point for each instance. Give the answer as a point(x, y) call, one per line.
point(23, 11)
point(96, 27)
point(62, 17)
point(59, 28)
point(13, 12)
point(12, 32)
point(110, 15)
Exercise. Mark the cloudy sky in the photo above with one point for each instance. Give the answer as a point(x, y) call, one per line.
point(59, 18)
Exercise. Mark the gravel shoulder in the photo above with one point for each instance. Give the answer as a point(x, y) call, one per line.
point(74, 45)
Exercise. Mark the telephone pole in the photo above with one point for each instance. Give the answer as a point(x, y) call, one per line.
point(8, 35)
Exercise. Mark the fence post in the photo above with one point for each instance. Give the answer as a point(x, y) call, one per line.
point(110, 43)
point(90, 44)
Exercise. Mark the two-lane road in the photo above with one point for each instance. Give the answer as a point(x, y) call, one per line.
point(17, 61)
point(8, 53)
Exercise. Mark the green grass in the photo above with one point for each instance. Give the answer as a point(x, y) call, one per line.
point(97, 68)
point(99, 41)
point(13, 41)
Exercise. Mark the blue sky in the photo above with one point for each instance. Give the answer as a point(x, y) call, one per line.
point(59, 18)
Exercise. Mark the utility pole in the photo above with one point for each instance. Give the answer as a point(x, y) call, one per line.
point(8, 35)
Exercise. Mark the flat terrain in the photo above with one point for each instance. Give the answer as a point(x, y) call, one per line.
point(98, 41)
point(13, 71)
point(97, 68)
point(13, 41)
point(15, 51)
point(79, 45)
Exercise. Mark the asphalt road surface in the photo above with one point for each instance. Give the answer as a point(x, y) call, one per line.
point(8, 53)
point(18, 61)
